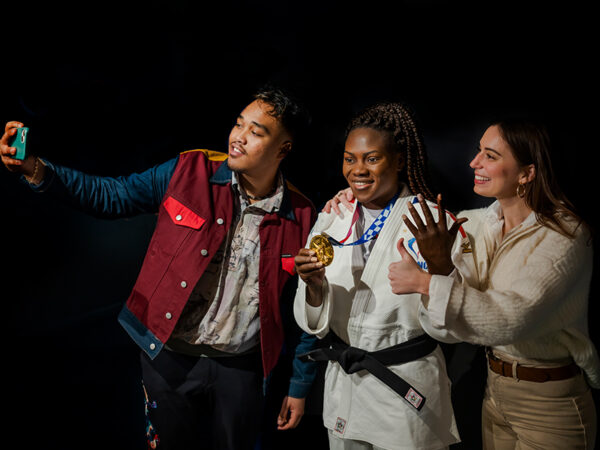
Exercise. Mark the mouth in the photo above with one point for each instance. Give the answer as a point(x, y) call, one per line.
point(361, 184)
point(481, 179)
point(236, 150)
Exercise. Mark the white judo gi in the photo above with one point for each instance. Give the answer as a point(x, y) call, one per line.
point(360, 308)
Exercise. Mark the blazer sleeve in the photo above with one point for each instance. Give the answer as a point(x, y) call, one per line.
point(548, 294)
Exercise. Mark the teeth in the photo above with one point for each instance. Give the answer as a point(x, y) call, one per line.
point(480, 178)
point(361, 183)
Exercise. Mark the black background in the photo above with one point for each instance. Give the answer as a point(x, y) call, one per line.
point(116, 87)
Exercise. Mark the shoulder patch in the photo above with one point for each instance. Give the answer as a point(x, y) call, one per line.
point(210, 154)
point(291, 187)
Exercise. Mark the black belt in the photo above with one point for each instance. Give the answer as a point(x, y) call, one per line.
point(353, 359)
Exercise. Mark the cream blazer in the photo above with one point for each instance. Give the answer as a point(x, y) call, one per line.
point(528, 298)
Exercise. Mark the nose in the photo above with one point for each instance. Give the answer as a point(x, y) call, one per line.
point(238, 134)
point(360, 168)
point(476, 162)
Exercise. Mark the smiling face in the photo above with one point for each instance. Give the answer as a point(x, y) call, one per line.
point(257, 142)
point(497, 172)
point(371, 167)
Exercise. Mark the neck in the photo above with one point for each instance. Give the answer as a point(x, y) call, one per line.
point(515, 211)
point(381, 202)
point(257, 186)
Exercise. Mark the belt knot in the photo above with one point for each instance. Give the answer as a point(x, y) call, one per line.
point(351, 359)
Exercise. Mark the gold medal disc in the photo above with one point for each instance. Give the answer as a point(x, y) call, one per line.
point(323, 249)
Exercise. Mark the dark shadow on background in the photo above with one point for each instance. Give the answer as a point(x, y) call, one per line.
point(129, 85)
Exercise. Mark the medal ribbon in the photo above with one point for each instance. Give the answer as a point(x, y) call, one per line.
point(373, 231)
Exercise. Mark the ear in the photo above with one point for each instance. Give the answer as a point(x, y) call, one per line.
point(285, 149)
point(528, 174)
point(401, 162)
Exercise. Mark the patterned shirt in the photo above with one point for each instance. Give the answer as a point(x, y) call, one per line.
point(222, 311)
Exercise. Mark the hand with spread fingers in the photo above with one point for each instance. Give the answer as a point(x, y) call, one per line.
point(434, 239)
point(312, 272)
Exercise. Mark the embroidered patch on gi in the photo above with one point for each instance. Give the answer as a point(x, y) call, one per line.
point(340, 425)
point(413, 398)
point(466, 247)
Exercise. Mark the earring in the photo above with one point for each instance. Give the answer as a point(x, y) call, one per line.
point(521, 190)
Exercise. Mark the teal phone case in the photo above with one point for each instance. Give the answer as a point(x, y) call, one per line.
point(19, 141)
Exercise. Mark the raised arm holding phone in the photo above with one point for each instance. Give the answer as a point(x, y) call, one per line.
point(206, 307)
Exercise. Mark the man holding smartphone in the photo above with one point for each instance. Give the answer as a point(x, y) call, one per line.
point(207, 305)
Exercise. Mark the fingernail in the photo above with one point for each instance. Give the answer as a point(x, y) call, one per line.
point(420, 196)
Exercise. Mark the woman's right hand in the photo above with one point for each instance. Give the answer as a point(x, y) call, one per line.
point(312, 272)
point(434, 239)
point(345, 197)
point(309, 268)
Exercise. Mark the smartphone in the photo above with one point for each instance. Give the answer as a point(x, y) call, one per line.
point(19, 141)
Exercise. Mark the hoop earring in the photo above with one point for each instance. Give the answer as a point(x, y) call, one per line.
point(521, 190)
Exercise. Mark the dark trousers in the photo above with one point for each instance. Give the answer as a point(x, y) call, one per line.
point(204, 403)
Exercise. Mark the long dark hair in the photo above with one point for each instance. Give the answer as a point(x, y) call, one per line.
point(399, 121)
point(530, 144)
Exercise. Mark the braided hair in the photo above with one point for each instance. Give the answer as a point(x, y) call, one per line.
point(399, 121)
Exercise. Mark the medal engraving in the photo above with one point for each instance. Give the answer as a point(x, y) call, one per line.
point(323, 249)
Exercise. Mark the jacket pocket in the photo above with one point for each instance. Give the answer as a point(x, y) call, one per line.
point(287, 264)
point(182, 215)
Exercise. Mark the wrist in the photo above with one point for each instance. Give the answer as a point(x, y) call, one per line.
point(435, 269)
point(423, 283)
point(35, 173)
point(314, 295)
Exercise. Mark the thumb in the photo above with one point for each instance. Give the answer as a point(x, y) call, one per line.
point(456, 226)
point(402, 248)
point(283, 413)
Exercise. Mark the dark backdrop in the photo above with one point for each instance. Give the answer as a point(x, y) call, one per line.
point(115, 87)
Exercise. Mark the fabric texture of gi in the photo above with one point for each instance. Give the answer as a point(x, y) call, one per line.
point(361, 309)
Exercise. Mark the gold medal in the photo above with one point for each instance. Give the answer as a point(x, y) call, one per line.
point(323, 249)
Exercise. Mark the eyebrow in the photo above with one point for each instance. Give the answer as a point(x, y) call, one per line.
point(366, 154)
point(259, 125)
point(491, 150)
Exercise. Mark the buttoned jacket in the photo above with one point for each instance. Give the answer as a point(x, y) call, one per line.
point(194, 200)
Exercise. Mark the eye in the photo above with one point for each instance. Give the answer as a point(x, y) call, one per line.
point(490, 156)
point(348, 160)
point(372, 159)
point(256, 133)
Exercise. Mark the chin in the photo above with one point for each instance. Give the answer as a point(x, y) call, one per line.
point(481, 192)
point(361, 197)
point(235, 165)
